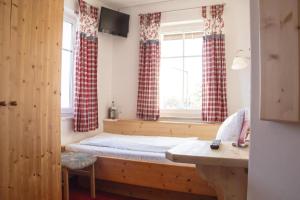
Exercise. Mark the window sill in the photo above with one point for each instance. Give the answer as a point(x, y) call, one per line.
point(180, 119)
point(66, 116)
point(194, 115)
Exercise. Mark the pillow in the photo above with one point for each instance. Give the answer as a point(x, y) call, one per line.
point(244, 133)
point(231, 128)
point(245, 129)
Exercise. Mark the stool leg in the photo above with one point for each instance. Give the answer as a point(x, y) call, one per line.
point(66, 183)
point(92, 182)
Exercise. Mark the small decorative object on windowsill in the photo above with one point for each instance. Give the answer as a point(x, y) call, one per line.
point(113, 111)
point(240, 61)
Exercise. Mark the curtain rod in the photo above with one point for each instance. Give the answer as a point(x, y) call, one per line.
point(168, 11)
point(187, 8)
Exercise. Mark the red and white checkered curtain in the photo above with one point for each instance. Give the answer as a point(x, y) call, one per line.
point(86, 99)
point(149, 62)
point(214, 97)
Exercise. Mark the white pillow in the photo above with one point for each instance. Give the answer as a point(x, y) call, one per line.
point(231, 128)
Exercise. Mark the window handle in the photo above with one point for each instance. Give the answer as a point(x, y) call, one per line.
point(13, 103)
point(2, 103)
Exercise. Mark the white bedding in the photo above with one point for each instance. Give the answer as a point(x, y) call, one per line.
point(155, 144)
point(119, 153)
point(140, 148)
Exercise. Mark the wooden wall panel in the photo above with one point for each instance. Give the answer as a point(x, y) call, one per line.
point(30, 54)
point(161, 128)
point(170, 177)
point(280, 69)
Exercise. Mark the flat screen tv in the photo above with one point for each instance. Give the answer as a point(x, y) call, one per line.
point(113, 22)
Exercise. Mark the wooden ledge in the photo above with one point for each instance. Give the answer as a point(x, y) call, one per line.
point(199, 152)
point(162, 128)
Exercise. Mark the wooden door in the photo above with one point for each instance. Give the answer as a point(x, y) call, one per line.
point(30, 59)
point(4, 125)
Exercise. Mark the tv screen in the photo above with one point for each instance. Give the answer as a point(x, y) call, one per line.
point(114, 22)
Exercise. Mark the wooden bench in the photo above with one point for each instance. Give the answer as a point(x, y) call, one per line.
point(168, 177)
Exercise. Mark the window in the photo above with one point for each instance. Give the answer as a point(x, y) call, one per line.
point(181, 75)
point(67, 68)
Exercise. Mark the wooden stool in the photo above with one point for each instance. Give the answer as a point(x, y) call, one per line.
point(80, 164)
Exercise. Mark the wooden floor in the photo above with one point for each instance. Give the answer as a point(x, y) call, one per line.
point(80, 193)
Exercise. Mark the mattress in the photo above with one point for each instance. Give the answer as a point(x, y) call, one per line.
point(138, 148)
point(155, 144)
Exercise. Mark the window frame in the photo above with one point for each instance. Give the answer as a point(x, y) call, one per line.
point(181, 113)
point(70, 17)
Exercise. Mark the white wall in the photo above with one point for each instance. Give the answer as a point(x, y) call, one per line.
point(104, 83)
point(125, 62)
point(274, 153)
point(118, 58)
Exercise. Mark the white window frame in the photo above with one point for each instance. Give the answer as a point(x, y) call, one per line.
point(180, 113)
point(70, 17)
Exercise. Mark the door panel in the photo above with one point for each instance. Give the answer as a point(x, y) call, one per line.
point(31, 133)
point(4, 72)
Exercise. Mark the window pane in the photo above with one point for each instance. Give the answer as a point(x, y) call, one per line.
point(171, 83)
point(67, 36)
point(66, 79)
point(193, 82)
point(193, 47)
point(172, 48)
point(181, 77)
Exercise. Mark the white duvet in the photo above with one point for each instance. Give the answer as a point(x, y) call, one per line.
point(155, 144)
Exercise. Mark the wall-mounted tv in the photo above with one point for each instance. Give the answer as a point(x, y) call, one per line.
point(113, 22)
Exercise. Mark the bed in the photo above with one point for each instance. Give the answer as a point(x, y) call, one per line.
point(129, 147)
point(126, 156)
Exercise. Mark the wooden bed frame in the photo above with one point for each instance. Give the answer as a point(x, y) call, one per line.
point(170, 177)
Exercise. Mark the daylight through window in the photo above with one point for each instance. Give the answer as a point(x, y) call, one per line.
point(181, 73)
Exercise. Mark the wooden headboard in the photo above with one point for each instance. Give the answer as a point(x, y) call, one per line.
point(162, 128)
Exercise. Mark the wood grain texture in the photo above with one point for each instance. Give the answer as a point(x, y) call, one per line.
point(66, 186)
point(230, 183)
point(30, 57)
point(225, 169)
point(280, 67)
point(199, 152)
point(4, 120)
point(160, 128)
point(179, 178)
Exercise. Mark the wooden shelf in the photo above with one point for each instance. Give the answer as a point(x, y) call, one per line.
point(199, 152)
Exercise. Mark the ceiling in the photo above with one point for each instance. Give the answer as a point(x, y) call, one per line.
point(130, 3)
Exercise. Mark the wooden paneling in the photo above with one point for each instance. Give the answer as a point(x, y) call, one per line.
point(173, 129)
point(30, 58)
point(280, 69)
point(180, 178)
point(4, 72)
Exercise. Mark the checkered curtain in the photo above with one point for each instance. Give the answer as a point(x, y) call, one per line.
point(149, 61)
point(214, 97)
point(86, 102)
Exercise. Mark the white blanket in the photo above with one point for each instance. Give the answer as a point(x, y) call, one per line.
point(135, 143)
